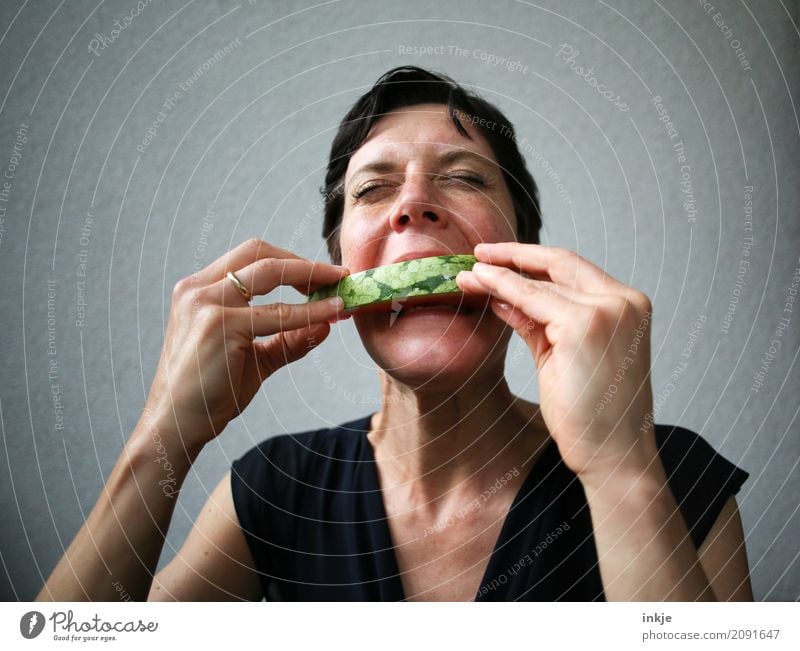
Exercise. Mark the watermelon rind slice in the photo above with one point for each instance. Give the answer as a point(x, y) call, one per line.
point(381, 286)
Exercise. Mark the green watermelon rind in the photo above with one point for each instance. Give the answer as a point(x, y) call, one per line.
point(420, 277)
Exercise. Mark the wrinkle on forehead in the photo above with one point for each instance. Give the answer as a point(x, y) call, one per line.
point(405, 135)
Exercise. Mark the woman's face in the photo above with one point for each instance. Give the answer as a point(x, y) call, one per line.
point(426, 190)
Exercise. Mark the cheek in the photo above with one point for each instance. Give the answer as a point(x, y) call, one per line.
point(360, 245)
point(504, 225)
point(487, 221)
point(493, 228)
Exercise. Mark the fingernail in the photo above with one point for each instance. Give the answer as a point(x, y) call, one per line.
point(480, 266)
point(335, 301)
point(503, 306)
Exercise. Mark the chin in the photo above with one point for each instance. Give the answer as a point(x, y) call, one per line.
point(435, 348)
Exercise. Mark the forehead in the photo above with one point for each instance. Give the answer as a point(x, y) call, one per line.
point(419, 131)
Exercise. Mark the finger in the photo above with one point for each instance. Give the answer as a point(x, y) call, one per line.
point(264, 275)
point(564, 267)
point(541, 300)
point(472, 284)
point(239, 257)
point(264, 320)
point(531, 332)
point(289, 346)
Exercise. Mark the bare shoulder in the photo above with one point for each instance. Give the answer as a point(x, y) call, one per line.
point(214, 563)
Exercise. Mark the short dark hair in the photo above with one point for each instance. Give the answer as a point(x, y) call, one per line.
point(408, 86)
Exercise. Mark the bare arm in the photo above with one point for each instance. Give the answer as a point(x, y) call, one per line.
point(121, 540)
point(214, 563)
point(645, 551)
point(724, 557)
point(590, 338)
point(212, 364)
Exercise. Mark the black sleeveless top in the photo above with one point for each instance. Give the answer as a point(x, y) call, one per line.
point(312, 512)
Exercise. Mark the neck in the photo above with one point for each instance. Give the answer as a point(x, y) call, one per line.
point(434, 442)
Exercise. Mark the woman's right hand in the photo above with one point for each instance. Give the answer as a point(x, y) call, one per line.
point(211, 364)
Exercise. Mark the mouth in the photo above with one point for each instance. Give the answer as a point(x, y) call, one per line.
point(434, 310)
point(425, 253)
point(437, 306)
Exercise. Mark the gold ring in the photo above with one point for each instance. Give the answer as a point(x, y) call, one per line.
point(238, 284)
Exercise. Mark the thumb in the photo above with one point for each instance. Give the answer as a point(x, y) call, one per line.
point(289, 346)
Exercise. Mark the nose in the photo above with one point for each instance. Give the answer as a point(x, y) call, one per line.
point(417, 205)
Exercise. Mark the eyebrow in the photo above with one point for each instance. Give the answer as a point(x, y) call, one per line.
point(386, 166)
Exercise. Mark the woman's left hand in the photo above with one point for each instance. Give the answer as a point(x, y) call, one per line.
point(590, 338)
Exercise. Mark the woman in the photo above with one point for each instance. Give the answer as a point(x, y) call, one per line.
point(455, 489)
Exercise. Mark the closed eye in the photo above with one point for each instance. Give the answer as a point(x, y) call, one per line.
point(469, 178)
point(365, 189)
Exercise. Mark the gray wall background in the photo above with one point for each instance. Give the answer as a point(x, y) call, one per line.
point(244, 146)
